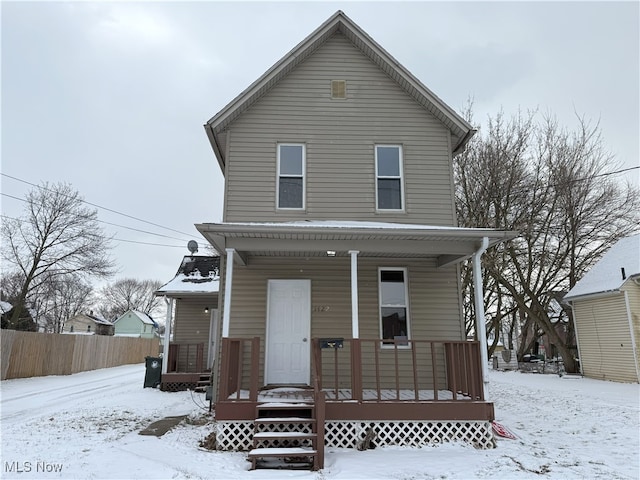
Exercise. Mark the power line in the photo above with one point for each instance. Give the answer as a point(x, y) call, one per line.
point(147, 243)
point(99, 206)
point(107, 223)
point(114, 238)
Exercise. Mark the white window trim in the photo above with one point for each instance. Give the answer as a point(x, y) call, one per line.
point(303, 176)
point(401, 159)
point(406, 301)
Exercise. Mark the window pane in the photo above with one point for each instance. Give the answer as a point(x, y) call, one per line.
point(290, 193)
point(291, 160)
point(392, 276)
point(394, 323)
point(389, 196)
point(388, 161)
point(392, 294)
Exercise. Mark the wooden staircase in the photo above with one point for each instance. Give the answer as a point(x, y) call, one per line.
point(288, 435)
point(203, 382)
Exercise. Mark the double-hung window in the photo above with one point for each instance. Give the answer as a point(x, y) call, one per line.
point(291, 167)
point(389, 190)
point(394, 309)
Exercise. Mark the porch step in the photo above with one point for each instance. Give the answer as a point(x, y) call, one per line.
point(203, 383)
point(286, 431)
point(291, 457)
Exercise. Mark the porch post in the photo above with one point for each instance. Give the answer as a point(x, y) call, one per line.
point(481, 330)
point(228, 266)
point(355, 333)
point(167, 335)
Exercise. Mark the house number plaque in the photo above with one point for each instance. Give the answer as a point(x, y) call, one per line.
point(321, 308)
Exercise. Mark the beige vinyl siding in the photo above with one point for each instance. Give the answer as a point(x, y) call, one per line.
point(340, 136)
point(632, 290)
point(433, 303)
point(604, 338)
point(192, 323)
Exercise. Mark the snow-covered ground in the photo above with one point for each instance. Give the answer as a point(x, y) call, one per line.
point(86, 426)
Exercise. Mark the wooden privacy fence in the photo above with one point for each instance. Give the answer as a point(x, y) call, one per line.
point(29, 354)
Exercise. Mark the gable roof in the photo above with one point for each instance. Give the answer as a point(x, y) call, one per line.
point(99, 320)
point(461, 130)
point(196, 275)
point(143, 317)
point(606, 275)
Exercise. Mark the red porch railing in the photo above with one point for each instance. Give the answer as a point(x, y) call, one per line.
point(239, 369)
point(398, 370)
point(185, 358)
point(366, 370)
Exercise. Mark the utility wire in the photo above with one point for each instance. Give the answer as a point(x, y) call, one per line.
point(114, 238)
point(99, 206)
point(108, 223)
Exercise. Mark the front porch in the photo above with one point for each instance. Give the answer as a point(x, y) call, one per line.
point(185, 368)
point(430, 392)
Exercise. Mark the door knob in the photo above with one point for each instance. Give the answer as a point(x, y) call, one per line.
point(304, 339)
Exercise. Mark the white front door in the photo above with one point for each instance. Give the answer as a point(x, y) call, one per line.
point(288, 327)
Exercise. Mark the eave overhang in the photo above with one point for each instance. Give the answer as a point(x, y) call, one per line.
point(449, 245)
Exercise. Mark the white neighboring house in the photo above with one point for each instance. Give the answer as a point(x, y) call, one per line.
point(606, 310)
point(135, 324)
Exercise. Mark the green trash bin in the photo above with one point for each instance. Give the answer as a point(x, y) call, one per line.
point(153, 374)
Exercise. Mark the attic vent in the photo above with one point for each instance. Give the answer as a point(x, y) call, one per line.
point(338, 89)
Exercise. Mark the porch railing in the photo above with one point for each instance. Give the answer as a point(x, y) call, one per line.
point(239, 369)
point(398, 370)
point(365, 370)
point(185, 358)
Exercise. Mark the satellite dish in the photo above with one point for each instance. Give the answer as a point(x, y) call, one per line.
point(192, 246)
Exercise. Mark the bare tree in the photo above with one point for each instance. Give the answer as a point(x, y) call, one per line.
point(57, 236)
point(128, 294)
point(553, 187)
point(61, 299)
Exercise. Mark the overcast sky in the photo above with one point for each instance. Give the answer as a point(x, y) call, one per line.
point(111, 97)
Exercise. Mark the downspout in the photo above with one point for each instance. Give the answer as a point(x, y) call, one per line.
point(481, 329)
point(167, 335)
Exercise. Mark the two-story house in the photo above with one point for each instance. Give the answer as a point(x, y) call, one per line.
point(340, 296)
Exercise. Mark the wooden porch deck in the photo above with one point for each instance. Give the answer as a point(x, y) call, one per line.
point(402, 380)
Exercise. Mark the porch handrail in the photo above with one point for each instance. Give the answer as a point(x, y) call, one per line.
point(233, 374)
point(319, 401)
point(411, 366)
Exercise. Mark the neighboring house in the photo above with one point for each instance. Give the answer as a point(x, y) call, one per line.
point(191, 352)
point(341, 256)
point(135, 324)
point(88, 323)
point(25, 323)
point(606, 311)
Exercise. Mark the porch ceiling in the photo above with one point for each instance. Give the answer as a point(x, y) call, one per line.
point(315, 238)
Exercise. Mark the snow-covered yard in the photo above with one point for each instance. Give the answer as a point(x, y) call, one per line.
point(86, 426)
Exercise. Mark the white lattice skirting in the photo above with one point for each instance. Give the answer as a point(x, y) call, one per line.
point(238, 435)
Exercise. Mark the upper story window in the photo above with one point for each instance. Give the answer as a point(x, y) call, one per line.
point(394, 310)
point(291, 168)
point(389, 191)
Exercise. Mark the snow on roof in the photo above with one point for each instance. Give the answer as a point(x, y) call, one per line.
point(100, 320)
point(606, 275)
point(352, 224)
point(197, 274)
point(5, 307)
point(144, 318)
